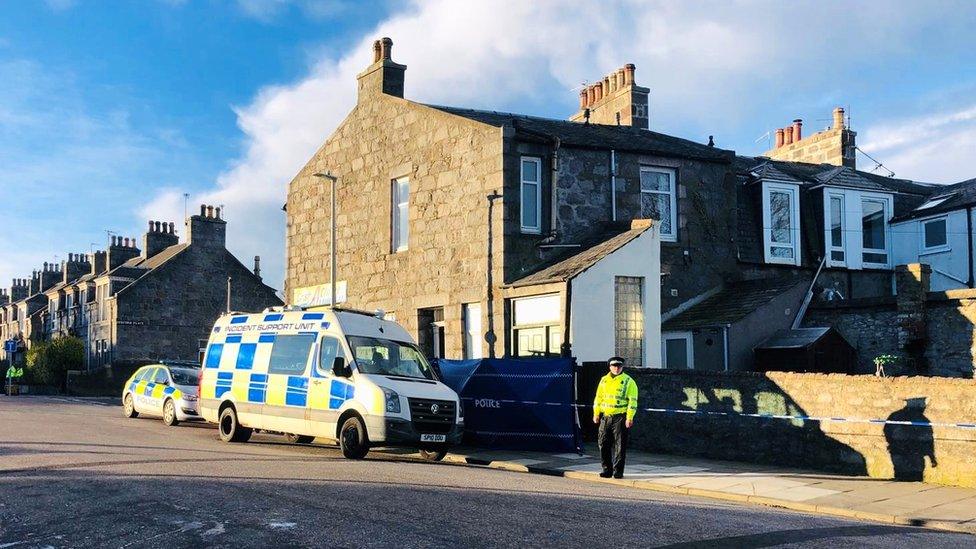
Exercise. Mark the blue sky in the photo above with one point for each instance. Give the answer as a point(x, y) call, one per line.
point(110, 111)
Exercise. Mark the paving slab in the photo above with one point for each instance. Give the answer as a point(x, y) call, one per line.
point(880, 500)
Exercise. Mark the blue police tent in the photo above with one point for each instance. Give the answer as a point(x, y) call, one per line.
point(516, 404)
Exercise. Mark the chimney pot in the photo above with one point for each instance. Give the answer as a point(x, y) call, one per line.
point(203, 210)
point(582, 95)
point(590, 94)
point(797, 130)
point(839, 118)
point(150, 225)
point(629, 69)
point(788, 135)
point(387, 47)
point(172, 228)
point(210, 211)
point(597, 92)
point(125, 242)
point(613, 81)
point(606, 86)
point(779, 137)
point(377, 51)
point(217, 213)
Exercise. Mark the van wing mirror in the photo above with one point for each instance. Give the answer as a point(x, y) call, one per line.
point(340, 368)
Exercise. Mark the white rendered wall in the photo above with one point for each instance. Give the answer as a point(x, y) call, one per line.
point(952, 261)
point(592, 306)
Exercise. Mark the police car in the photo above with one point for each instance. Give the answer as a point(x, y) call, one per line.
point(168, 390)
point(337, 374)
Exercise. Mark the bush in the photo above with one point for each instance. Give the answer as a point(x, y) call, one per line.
point(47, 363)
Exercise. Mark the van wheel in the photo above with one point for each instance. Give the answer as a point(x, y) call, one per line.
point(352, 439)
point(129, 407)
point(298, 439)
point(169, 413)
point(433, 453)
point(231, 429)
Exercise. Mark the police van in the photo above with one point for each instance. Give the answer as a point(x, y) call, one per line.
point(337, 374)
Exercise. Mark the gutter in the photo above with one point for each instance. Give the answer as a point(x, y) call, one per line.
point(969, 251)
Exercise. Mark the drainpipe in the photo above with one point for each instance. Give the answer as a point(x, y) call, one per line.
point(725, 336)
point(613, 185)
point(969, 251)
point(566, 349)
point(555, 203)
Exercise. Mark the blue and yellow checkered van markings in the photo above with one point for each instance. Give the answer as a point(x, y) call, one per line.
point(339, 393)
point(233, 338)
point(213, 355)
point(257, 388)
point(224, 382)
point(245, 356)
point(266, 338)
point(313, 316)
point(296, 392)
point(273, 317)
point(238, 320)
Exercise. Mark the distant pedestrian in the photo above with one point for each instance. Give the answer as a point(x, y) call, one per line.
point(614, 409)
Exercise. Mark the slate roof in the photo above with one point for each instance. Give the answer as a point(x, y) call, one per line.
point(813, 175)
point(572, 266)
point(957, 196)
point(732, 304)
point(138, 266)
point(600, 136)
point(799, 338)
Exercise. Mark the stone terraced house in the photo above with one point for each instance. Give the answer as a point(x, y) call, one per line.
point(488, 233)
point(132, 306)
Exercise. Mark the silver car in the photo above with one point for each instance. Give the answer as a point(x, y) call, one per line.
point(168, 391)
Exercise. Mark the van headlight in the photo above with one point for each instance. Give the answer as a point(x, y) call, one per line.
point(460, 411)
point(392, 400)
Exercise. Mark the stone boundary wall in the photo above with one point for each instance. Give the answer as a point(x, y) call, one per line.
point(880, 451)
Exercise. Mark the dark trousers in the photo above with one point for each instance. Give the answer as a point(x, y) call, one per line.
point(613, 443)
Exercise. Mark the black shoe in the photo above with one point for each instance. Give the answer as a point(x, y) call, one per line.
point(618, 475)
point(605, 474)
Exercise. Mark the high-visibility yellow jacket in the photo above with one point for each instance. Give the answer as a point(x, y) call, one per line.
point(616, 395)
point(14, 372)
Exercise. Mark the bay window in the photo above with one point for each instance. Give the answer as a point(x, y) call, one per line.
point(856, 231)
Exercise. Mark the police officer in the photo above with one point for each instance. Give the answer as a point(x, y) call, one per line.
point(614, 409)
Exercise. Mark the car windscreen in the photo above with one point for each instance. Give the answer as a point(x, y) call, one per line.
point(184, 376)
point(387, 357)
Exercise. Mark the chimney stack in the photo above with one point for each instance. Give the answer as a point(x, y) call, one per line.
point(614, 98)
point(159, 237)
point(383, 76)
point(74, 268)
point(48, 277)
point(98, 262)
point(207, 230)
point(120, 251)
point(19, 289)
point(839, 118)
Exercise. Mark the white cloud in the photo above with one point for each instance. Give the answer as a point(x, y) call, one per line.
point(936, 147)
point(716, 66)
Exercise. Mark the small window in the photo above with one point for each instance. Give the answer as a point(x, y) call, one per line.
point(629, 319)
point(531, 190)
point(659, 199)
point(836, 228)
point(401, 214)
point(328, 350)
point(934, 234)
point(289, 354)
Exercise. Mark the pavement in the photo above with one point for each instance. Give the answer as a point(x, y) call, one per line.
point(886, 501)
point(75, 473)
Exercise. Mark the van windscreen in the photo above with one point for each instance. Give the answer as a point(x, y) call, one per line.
point(390, 358)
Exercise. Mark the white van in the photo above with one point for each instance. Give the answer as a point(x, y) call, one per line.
point(338, 374)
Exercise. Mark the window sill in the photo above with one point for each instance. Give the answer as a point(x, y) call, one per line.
point(533, 232)
point(933, 251)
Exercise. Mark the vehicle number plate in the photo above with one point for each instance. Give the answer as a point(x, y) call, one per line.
point(433, 438)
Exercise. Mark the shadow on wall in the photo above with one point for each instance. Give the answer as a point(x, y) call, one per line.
point(911, 440)
point(718, 430)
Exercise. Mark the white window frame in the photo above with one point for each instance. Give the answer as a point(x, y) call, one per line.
point(922, 246)
point(671, 236)
point(689, 345)
point(829, 195)
point(529, 229)
point(400, 243)
point(886, 200)
point(471, 324)
point(793, 191)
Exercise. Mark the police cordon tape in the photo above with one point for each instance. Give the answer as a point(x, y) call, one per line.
point(496, 403)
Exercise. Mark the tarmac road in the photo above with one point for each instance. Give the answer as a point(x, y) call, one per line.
point(74, 472)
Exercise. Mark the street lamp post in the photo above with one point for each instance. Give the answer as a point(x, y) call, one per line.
point(332, 234)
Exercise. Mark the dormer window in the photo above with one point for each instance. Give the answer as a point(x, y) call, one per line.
point(781, 223)
point(856, 231)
